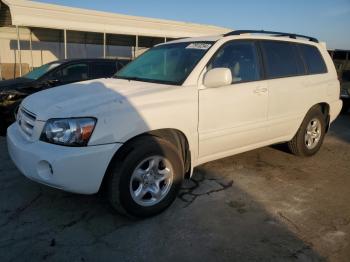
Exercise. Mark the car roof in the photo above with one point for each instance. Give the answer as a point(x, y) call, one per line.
point(197, 39)
point(251, 34)
point(63, 61)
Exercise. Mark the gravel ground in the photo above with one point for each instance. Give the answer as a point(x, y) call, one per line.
point(264, 205)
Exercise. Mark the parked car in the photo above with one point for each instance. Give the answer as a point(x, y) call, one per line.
point(177, 106)
point(345, 90)
point(57, 73)
point(341, 59)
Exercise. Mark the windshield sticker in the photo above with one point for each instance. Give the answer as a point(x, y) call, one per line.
point(201, 46)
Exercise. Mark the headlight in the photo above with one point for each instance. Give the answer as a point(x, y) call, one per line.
point(68, 132)
point(7, 97)
point(10, 96)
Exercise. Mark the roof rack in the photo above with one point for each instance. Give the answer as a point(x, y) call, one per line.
point(293, 36)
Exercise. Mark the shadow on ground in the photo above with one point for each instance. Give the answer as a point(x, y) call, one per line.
point(340, 130)
point(212, 219)
point(264, 205)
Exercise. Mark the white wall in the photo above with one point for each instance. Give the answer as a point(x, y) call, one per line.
point(44, 51)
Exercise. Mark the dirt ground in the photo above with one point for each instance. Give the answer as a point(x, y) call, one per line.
point(264, 205)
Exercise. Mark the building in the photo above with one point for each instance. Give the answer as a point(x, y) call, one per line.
point(32, 34)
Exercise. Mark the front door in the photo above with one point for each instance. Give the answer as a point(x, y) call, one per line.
point(233, 118)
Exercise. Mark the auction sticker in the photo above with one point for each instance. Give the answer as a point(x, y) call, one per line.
point(201, 46)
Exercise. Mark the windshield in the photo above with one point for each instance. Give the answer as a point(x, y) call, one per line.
point(167, 64)
point(40, 71)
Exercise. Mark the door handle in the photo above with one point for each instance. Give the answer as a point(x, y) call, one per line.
point(260, 90)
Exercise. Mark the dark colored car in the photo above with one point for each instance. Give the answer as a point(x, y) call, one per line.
point(57, 73)
point(341, 59)
point(345, 90)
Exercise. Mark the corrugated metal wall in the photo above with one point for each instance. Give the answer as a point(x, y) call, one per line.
point(5, 15)
point(47, 46)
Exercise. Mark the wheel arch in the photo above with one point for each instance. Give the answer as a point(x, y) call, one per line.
point(297, 144)
point(324, 107)
point(174, 136)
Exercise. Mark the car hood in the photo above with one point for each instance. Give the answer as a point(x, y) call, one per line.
point(90, 98)
point(18, 84)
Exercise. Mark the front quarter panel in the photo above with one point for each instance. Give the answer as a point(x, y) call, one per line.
point(173, 107)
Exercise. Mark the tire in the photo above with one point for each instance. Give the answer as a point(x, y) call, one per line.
point(304, 143)
point(133, 180)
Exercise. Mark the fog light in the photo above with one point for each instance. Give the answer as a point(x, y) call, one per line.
point(45, 170)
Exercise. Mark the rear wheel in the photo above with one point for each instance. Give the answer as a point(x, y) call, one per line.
point(147, 179)
point(310, 135)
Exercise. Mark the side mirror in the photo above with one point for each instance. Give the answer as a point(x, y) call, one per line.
point(218, 77)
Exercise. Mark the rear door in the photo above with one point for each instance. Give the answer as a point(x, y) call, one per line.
point(297, 80)
point(285, 73)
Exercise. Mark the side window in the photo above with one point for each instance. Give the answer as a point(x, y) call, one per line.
point(102, 69)
point(313, 59)
point(282, 59)
point(241, 58)
point(73, 73)
point(55, 75)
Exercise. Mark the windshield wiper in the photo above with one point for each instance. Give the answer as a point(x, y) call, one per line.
point(128, 78)
point(134, 78)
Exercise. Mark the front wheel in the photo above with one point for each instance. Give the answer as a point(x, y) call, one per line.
point(310, 135)
point(146, 181)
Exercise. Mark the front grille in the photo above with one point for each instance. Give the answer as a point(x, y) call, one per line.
point(26, 120)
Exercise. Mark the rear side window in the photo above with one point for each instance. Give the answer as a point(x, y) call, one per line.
point(282, 59)
point(72, 73)
point(313, 59)
point(102, 70)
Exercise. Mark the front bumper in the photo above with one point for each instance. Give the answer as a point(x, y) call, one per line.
point(73, 169)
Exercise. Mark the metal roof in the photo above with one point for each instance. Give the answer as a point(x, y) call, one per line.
point(34, 14)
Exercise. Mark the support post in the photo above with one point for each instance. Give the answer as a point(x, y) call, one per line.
point(19, 51)
point(104, 44)
point(165, 40)
point(0, 68)
point(85, 45)
point(31, 49)
point(65, 43)
point(136, 46)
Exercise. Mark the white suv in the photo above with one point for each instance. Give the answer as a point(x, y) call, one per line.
point(177, 106)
